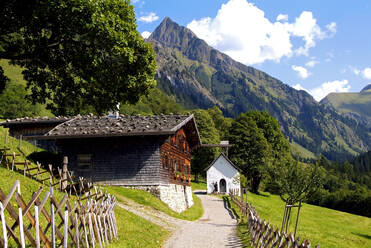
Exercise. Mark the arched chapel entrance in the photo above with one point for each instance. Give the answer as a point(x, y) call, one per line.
point(223, 186)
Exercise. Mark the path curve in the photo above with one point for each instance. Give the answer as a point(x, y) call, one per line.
point(215, 229)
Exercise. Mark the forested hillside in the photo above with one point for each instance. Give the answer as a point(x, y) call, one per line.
point(355, 105)
point(199, 76)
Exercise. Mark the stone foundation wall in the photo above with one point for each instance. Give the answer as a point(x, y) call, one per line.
point(178, 197)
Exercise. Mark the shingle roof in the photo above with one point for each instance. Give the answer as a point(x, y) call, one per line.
point(122, 126)
point(35, 120)
point(91, 126)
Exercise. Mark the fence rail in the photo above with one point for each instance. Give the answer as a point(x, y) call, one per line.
point(47, 222)
point(62, 179)
point(263, 234)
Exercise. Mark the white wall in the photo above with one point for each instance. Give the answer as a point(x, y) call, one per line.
point(221, 169)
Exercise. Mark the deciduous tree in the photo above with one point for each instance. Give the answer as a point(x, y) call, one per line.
point(249, 149)
point(209, 135)
point(77, 52)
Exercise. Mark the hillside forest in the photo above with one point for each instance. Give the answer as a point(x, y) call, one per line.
point(345, 186)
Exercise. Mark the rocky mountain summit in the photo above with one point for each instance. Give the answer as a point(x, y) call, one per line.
point(199, 76)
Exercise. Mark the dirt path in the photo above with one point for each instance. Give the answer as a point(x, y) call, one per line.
point(216, 228)
point(150, 214)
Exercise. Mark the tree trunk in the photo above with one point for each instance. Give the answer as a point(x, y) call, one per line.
point(255, 182)
point(196, 177)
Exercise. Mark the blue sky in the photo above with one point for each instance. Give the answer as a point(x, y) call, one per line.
point(319, 46)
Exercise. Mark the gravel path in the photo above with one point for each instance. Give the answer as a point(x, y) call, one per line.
point(150, 214)
point(216, 228)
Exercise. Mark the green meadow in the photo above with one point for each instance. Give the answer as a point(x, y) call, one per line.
point(327, 227)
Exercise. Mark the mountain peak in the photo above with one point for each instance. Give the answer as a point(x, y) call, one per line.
point(367, 88)
point(171, 34)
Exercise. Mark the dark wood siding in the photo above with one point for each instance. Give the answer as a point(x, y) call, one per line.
point(34, 129)
point(176, 159)
point(31, 129)
point(118, 161)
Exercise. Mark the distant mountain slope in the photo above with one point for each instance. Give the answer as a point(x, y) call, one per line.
point(356, 105)
point(200, 76)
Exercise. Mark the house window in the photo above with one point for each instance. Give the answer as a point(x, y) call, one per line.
point(166, 162)
point(84, 161)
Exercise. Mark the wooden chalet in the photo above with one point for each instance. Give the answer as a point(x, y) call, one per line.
point(127, 150)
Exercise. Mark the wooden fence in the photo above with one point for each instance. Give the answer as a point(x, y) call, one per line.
point(262, 233)
point(62, 179)
point(47, 222)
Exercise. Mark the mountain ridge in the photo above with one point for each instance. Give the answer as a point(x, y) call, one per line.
point(199, 76)
point(366, 88)
point(356, 105)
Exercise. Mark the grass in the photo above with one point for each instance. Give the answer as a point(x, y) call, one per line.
point(25, 149)
point(136, 232)
point(147, 199)
point(200, 185)
point(133, 230)
point(300, 151)
point(329, 228)
point(13, 72)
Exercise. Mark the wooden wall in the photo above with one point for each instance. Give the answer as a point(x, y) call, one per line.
point(176, 159)
point(31, 129)
point(117, 161)
point(139, 160)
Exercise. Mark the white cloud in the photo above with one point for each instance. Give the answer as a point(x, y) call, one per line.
point(151, 17)
point(302, 71)
point(331, 27)
point(145, 34)
point(299, 87)
point(311, 63)
point(328, 87)
point(355, 70)
point(282, 17)
point(241, 30)
point(366, 73)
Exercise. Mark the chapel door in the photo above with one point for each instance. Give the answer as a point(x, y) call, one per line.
point(223, 186)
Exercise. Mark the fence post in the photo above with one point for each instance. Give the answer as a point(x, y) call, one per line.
point(20, 217)
point(64, 173)
point(13, 161)
point(19, 141)
point(85, 231)
point(77, 230)
point(284, 218)
point(52, 217)
point(288, 219)
point(37, 227)
point(297, 219)
point(6, 137)
point(65, 227)
point(5, 236)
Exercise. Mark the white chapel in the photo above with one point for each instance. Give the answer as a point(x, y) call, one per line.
point(221, 176)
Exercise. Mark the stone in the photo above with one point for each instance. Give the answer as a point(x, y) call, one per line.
point(177, 197)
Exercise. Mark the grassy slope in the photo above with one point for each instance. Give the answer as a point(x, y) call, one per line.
point(351, 102)
point(147, 199)
point(299, 151)
point(133, 230)
point(201, 185)
point(328, 227)
point(14, 73)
